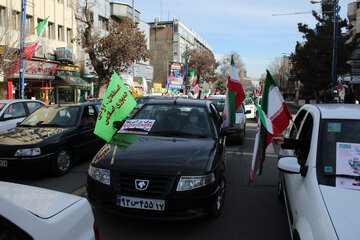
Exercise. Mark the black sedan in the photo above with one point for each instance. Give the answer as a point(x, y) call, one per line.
point(169, 162)
point(50, 139)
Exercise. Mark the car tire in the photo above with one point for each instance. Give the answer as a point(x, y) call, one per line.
point(280, 189)
point(62, 162)
point(217, 204)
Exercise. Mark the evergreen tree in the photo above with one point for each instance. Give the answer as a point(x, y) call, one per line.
point(312, 60)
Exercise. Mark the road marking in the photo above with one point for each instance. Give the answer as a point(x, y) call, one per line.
point(80, 191)
point(249, 154)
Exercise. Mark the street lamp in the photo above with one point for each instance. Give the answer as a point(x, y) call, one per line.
point(335, 42)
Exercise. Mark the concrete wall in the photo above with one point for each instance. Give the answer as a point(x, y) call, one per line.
point(161, 47)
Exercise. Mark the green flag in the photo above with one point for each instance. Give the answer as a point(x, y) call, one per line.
point(116, 106)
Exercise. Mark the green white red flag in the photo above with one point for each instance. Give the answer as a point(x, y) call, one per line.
point(28, 51)
point(274, 106)
point(235, 95)
point(266, 122)
point(192, 78)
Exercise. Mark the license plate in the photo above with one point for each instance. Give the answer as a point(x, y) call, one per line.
point(3, 163)
point(140, 203)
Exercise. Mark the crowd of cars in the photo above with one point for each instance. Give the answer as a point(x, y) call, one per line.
point(175, 166)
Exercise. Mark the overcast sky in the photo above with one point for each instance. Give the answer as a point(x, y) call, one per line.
point(245, 26)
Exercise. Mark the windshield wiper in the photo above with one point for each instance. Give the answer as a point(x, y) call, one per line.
point(356, 177)
point(48, 125)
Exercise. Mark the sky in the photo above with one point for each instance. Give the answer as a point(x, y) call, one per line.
point(245, 26)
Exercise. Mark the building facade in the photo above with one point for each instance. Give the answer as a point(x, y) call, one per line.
point(168, 42)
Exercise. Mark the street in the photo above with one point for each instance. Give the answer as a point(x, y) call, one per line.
point(250, 212)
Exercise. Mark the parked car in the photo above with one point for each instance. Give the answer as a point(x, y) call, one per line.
point(35, 213)
point(51, 138)
point(318, 179)
point(240, 124)
point(14, 111)
point(250, 108)
point(175, 169)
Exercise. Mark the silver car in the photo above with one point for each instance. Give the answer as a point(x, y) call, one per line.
point(15, 110)
point(240, 122)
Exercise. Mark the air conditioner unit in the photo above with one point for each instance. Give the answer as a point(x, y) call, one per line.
point(64, 54)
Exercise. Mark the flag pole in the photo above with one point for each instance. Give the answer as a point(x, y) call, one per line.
point(22, 44)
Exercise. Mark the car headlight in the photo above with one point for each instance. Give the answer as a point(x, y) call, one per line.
point(192, 182)
point(99, 174)
point(28, 152)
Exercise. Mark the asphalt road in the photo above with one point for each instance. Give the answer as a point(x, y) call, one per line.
point(250, 212)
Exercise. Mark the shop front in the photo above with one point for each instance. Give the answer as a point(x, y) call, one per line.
point(70, 87)
point(38, 77)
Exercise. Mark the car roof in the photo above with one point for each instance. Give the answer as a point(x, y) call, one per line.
point(337, 111)
point(217, 97)
point(179, 101)
point(17, 100)
point(74, 104)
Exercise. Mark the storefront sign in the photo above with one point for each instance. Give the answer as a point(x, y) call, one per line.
point(144, 71)
point(175, 75)
point(38, 70)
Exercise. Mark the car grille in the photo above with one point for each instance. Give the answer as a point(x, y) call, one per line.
point(159, 186)
point(7, 153)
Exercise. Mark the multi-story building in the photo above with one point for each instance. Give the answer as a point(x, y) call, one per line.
point(168, 41)
point(58, 35)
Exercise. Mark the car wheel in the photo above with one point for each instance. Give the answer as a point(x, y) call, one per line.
point(217, 203)
point(280, 190)
point(62, 162)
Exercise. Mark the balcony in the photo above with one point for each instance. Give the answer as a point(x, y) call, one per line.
point(123, 10)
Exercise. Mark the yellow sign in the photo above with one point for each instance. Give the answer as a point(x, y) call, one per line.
point(157, 87)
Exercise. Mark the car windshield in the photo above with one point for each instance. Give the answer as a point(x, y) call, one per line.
point(63, 116)
point(175, 120)
point(141, 100)
point(2, 105)
point(334, 135)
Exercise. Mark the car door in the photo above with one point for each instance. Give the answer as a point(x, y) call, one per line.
point(300, 187)
point(215, 117)
point(13, 114)
point(88, 142)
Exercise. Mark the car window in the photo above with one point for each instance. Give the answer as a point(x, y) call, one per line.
point(305, 137)
point(89, 115)
point(190, 120)
point(297, 123)
point(215, 113)
point(219, 103)
point(32, 106)
point(334, 131)
point(16, 110)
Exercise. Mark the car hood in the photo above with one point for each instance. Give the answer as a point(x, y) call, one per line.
point(41, 202)
point(343, 207)
point(25, 135)
point(157, 154)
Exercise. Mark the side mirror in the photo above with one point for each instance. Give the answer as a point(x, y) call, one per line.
point(289, 165)
point(118, 124)
point(247, 111)
point(226, 131)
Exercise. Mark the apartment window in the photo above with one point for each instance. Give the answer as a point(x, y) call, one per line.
point(103, 23)
point(60, 1)
point(29, 24)
point(68, 35)
point(2, 16)
point(16, 20)
point(50, 31)
point(68, 3)
point(60, 33)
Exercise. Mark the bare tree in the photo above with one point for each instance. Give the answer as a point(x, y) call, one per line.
point(277, 70)
point(119, 48)
point(203, 62)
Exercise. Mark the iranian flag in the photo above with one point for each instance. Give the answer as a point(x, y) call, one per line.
point(266, 122)
point(274, 106)
point(28, 51)
point(192, 77)
point(234, 97)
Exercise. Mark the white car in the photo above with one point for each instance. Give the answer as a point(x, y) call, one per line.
point(320, 179)
point(250, 108)
point(14, 111)
point(35, 213)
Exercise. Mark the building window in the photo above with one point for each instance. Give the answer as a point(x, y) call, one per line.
point(2, 16)
point(68, 3)
point(60, 33)
point(29, 24)
point(103, 23)
point(16, 20)
point(50, 32)
point(68, 35)
point(60, 1)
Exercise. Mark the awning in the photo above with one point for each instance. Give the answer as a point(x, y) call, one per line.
point(75, 81)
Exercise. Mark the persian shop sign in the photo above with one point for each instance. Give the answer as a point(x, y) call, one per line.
point(175, 75)
point(38, 69)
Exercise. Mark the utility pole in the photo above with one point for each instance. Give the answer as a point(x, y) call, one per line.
point(134, 25)
point(186, 71)
point(335, 47)
point(22, 44)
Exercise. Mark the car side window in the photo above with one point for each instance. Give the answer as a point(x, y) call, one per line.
point(214, 113)
point(305, 138)
point(297, 123)
point(16, 110)
point(89, 115)
point(32, 106)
